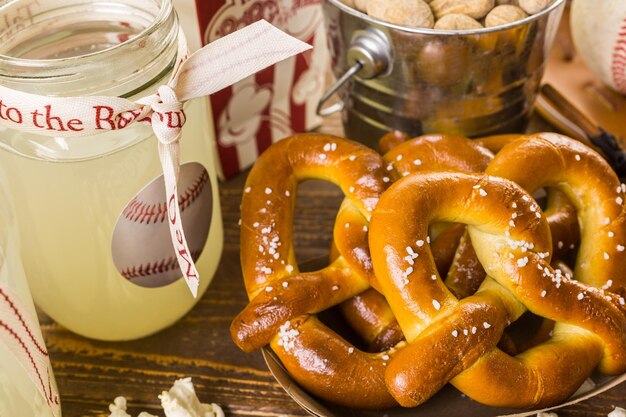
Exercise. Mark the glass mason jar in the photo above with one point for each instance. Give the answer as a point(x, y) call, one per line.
point(27, 385)
point(91, 210)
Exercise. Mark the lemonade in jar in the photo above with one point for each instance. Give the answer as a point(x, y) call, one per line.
point(91, 211)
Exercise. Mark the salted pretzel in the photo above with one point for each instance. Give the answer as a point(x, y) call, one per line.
point(319, 359)
point(589, 183)
point(283, 301)
point(281, 298)
point(368, 313)
point(560, 212)
point(437, 152)
point(452, 340)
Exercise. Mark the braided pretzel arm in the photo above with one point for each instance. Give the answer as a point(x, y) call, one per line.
point(440, 153)
point(563, 220)
point(282, 299)
point(451, 339)
point(560, 212)
point(444, 245)
point(590, 184)
point(368, 314)
point(436, 152)
point(546, 327)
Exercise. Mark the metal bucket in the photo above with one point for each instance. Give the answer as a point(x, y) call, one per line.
point(471, 83)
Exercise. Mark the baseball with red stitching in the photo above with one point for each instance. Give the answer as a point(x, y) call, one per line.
point(599, 32)
point(141, 245)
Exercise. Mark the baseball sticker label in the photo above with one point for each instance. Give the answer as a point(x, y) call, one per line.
point(140, 246)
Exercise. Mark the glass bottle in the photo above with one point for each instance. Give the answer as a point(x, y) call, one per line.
point(94, 243)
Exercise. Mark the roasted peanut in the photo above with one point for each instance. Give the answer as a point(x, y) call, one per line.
point(503, 15)
point(473, 8)
point(457, 21)
point(414, 13)
point(534, 6)
point(361, 5)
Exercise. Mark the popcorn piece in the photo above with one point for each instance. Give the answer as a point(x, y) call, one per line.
point(179, 401)
point(618, 412)
point(118, 408)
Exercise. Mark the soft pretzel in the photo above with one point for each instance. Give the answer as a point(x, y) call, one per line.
point(368, 314)
point(264, 219)
point(282, 300)
point(437, 152)
point(560, 212)
point(512, 241)
point(588, 331)
point(589, 183)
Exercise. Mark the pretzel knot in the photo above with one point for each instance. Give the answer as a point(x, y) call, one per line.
point(369, 313)
point(452, 340)
point(449, 340)
point(283, 300)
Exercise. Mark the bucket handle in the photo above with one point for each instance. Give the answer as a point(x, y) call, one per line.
point(369, 56)
point(334, 108)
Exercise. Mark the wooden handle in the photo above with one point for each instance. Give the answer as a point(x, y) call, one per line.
point(569, 111)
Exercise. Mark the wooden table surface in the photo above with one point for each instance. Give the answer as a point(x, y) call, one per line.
point(91, 373)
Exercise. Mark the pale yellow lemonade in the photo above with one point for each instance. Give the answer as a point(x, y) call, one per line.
point(68, 203)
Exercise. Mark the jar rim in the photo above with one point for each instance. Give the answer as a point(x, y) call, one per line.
point(166, 8)
point(123, 67)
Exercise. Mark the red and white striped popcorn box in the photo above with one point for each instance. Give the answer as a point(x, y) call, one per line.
point(274, 103)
